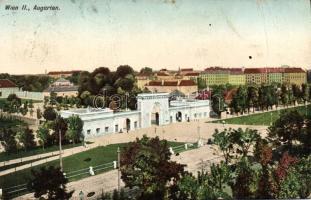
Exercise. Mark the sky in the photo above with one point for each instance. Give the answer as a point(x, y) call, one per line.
point(85, 34)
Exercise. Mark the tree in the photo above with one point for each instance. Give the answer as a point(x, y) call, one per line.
point(283, 167)
point(220, 176)
point(244, 139)
point(123, 71)
point(75, 128)
point(60, 128)
point(7, 140)
point(26, 138)
point(146, 71)
point(43, 135)
point(146, 164)
point(39, 113)
point(223, 140)
point(53, 97)
point(244, 181)
point(14, 103)
point(252, 97)
point(303, 170)
point(49, 181)
point(49, 114)
point(287, 128)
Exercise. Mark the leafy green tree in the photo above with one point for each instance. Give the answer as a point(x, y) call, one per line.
point(220, 176)
point(14, 103)
point(305, 92)
point(223, 140)
point(244, 181)
point(49, 181)
point(75, 128)
point(244, 139)
point(252, 97)
point(39, 113)
point(284, 95)
point(7, 140)
point(287, 129)
point(147, 71)
point(26, 138)
point(303, 170)
point(60, 128)
point(201, 84)
point(49, 114)
point(290, 186)
point(43, 135)
point(146, 164)
point(53, 98)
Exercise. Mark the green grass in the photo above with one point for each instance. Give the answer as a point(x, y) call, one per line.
point(262, 118)
point(9, 123)
point(38, 150)
point(10, 166)
point(93, 157)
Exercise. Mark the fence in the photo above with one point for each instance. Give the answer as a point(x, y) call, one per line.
point(21, 189)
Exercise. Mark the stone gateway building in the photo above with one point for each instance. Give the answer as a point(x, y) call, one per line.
point(152, 109)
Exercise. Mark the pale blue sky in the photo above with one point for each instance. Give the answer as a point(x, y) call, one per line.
point(156, 33)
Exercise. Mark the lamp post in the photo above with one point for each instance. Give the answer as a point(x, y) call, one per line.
point(60, 151)
point(126, 96)
point(270, 118)
point(118, 151)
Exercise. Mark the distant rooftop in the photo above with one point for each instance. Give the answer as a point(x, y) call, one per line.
point(6, 83)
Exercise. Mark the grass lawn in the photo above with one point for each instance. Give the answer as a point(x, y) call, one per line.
point(9, 123)
point(38, 150)
point(262, 118)
point(93, 157)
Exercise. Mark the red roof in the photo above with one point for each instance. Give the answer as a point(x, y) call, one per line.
point(187, 69)
point(162, 74)
point(5, 83)
point(62, 72)
point(294, 70)
point(263, 70)
point(155, 83)
point(187, 83)
point(170, 83)
point(192, 74)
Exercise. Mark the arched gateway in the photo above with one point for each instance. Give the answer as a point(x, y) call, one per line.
point(154, 109)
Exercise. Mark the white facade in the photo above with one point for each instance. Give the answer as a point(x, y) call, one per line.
point(151, 109)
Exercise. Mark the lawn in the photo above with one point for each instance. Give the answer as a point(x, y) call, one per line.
point(38, 150)
point(93, 157)
point(9, 123)
point(262, 118)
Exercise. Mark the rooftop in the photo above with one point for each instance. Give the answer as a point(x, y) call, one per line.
point(5, 83)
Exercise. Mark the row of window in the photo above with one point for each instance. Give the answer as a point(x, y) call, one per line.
point(116, 128)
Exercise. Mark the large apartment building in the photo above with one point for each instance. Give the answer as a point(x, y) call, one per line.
point(241, 76)
point(221, 76)
point(275, 75)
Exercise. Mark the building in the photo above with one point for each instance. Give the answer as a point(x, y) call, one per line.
point(62, 87)
point(7, 87)
point(185, 86)
point(152, 109)
point(191, 76)
point(236, 76)
point(142, 80)
point(222, 76)
point(163, 75)
point(294, 76)
point(275, 75)
point(309, 76)
point(62, 74)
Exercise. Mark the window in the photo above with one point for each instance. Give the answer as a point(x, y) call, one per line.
point(97, 130)
point(88, 131)
point(135, 124)
point(0, 94)
point(106, 129)
point(116, 128)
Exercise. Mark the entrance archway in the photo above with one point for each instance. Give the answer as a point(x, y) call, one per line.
point(179, 116)
point(155, 114)
point(128, 124)
point(155, 118)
